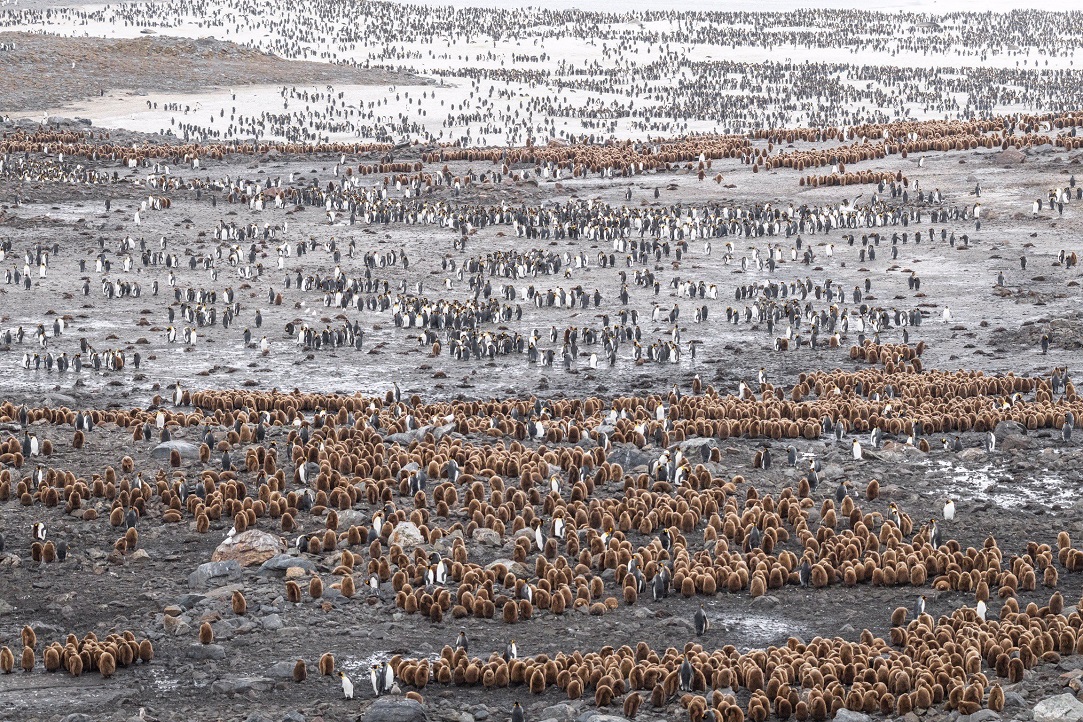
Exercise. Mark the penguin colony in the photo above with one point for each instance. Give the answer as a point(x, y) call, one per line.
point(677, 528)
point(601, 75)
point(691, 494)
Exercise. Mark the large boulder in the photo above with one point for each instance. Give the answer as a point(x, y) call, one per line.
point(406, 535)
point(249, 547)
point(395, 709)
point(186, 450)
point(1062, 708)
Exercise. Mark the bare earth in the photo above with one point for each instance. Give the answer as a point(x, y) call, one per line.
point(46, 71)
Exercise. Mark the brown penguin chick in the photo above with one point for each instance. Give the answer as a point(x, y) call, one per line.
point(75, 665)
point(206, 633)
point(348, 587)
point(107, 665)
point(28, 660)
point(240, 604)
point(146, 651)
point(293, 592)
point(631, 704)
point(51, 658)
point(7, 661)
point(315, 588)
point(327, 664)
point(300, 671)
point(29, 637)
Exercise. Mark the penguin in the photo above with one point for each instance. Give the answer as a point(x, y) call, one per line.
point(375, 678)
point(804, 573)
point(686, 675)
point(1066, 432)
point(511, 651)
point(895, 514)
point(347, 685)
point(842, 491)
point(990, 442)
point(539, 535)
point(461, 642)
point(386, 675)
point(659, 588)
point(377, 526)
point(517, 712)
point(934, 534)
point(38, 531)
point(701, 622)
point(919, 606)
point(856, 446)
point(61, 550)
point(980, 609)
point(949, 510)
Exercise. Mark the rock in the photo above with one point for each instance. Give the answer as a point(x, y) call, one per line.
point(845, 715)
point(284, 562)
point(206, 651)
point(293, 717)
point(272, 623)
point(629, 456)
point(188, 601)
point(280, 670)
point(982, 715)
point(766, 601)
point(1011, 435)
point(186, 450)
point(406, 535)
point(562, 711)
point(602, 717)
point(250, 547)
point(1010, 156)
point(77, 717)
point(698, 449)
point(172, 611)
point(175, 625)
point(204, 573)
point(1062, 708)
point(258, 717)
point(386, 709)
point(485, 536)
point(242, 685)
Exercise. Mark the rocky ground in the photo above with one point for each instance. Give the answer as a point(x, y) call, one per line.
point(163, 589)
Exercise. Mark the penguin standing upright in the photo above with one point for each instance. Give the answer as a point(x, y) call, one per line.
point(347, 685)
point(701, 622)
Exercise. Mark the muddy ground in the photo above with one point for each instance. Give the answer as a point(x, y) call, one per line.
point(47, 71)
point(1020, 495)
